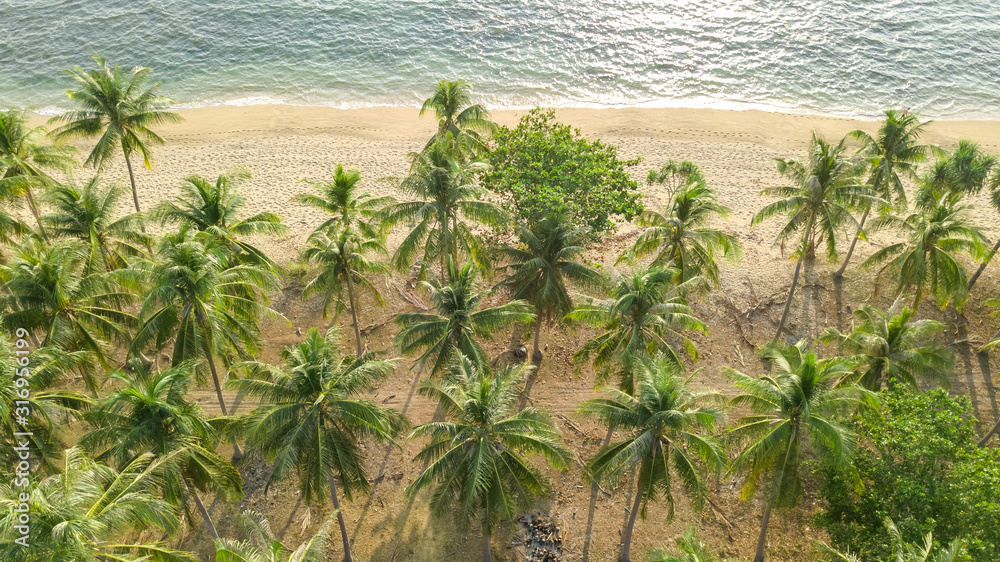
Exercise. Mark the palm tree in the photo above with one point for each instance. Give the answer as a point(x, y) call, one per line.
point(344, 268)
point(548, 257)
point(263, 546)
point(965, 170)
point(794, 408)
point(825, 192)
point(448, 202)
point(12, 229)
point(646, 314)
point(39, 403)
point(678, 233)
point(114, 106)
point(89, 513)
point(207, 309)
point(89, 213)
point(149, 414)
point(890, 346)
point(940, 229)
point(477, 461)
point(456, 321)
point(690, 548)
point(25, 160)
point(662, 427)
point(908, 552)
point(48, 291)
point(348, 206)
point(311, 420)
point(893, 152)
point(216, 208)
point(452, 106)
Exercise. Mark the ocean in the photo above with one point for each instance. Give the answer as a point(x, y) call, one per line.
point(938, 57)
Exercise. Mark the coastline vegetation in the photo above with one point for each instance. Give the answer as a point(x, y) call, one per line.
point(124, 319)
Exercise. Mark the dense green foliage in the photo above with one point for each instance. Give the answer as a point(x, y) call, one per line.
point(919, 465)
point(542, 167)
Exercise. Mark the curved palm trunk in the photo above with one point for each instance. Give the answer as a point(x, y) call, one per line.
point(340, 520)
point(778, 477)
point(982, 267)
point(627, 536)
point(135, 193)
point(850, 251)
point(237, 453)
point(788, 303)
point(354, 312)
point(486, 539)
point(986, 438)
point(536, 354)
point(204, 514)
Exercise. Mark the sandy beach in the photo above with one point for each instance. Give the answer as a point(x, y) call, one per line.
point(282, 145)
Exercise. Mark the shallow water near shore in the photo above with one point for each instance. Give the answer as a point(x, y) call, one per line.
point(801, 56)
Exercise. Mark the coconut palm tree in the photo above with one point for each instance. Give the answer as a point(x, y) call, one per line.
point(448, 202)
point(208, 310)
point(342, 198)
point(926, 262)
point(345, 271)
point(452, 106)
point(116, 106)
point(690, 548)
point(477, 461)
point(311, 419)
point(662, 426)
point(891, 155)
point(965, 170)
point(216, 208)
point(678, 234)
point(795, 409)
point(150, 414)
point(48, 292)
point(262, 546)
point(826, 190)
point(646, 314)
point(91, 512)
point(456, 321)
point(89, 213)
point(892, 346)
point(548, 257)
point(25, 160)
point(39, 403)
point(12, 230)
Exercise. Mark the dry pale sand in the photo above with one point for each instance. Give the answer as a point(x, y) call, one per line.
point(282, 145)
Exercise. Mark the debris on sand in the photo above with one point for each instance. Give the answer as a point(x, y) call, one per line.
point(541, 539)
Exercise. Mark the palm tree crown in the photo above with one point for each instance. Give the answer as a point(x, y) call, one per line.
point(457, 115)
point(940, 229)
point(349, 207)
point(662, 425)
point(114, 106)
point(646, 314)
point(477, 461)
point(456, 321)
point(89, 213)
point(345, 271)
point(678, 234)
point(889, 346)
point(216, 208)
point(448, 202)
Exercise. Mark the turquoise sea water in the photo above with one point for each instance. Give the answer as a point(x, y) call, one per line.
point(939, 57)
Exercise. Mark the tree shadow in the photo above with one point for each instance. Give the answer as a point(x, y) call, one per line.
point(385, 458)
point(964, 351)
point(984, 367)
point(838, 297)
point(595, 489)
